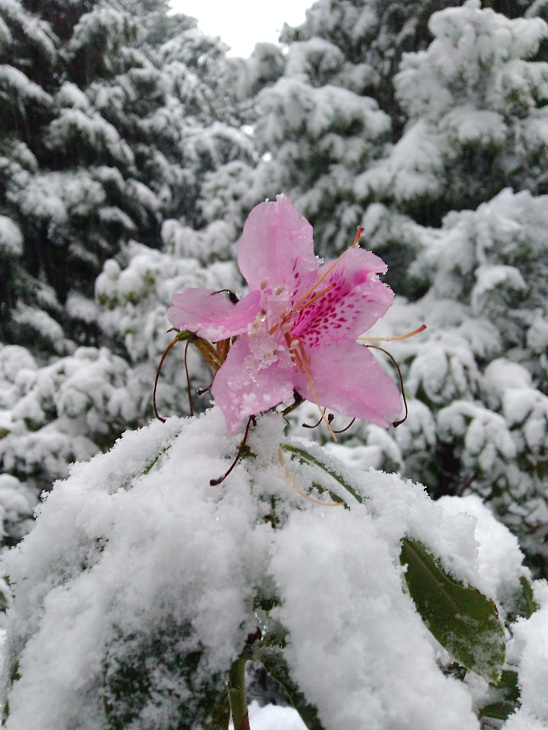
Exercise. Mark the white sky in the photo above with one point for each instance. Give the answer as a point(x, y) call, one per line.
point(242, 23)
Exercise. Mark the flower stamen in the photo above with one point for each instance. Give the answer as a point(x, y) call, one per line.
point(330, 269)
point(402, 420)
point(315, 425)
point(220, 480)
point(182, 335)
point(342, 430)
point(359, 234)
point(188, 386)
point(398, 337)
point(311, 301)
point(297, 487)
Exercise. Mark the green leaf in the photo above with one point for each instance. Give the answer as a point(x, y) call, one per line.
point(4, 598)
point(275, 664)
point(498, 710)
point(153, 673)
point(219, 718)
point(269, 652)
point(528, 604)
point(505, 697)
point(304, 456)
point(464, 621)
point(522, 603)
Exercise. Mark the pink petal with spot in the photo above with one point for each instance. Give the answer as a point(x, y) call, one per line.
point(244, 386)
point(354, 299)
point(277, 245)
point(348, 379)
point(209, 314)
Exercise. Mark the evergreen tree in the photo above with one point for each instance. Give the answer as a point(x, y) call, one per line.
point(114, 136)
point(320, 109)
point(373, 36)
point(435, 203)
point(476, 116)
point(117, 118)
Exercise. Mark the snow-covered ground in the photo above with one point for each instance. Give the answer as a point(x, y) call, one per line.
point(273, 717)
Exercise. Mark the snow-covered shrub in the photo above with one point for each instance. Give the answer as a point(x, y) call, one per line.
point(479, 370)
point(476, 110)
point(142, 588)
point(76, 406)
point(319, 139)
point(59, 413)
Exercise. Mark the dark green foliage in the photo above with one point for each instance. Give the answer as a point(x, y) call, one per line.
point(464, 621)
point(275, 664)
point(112, 117)
point(505, 697)
point(524, 602)
point(156, 678)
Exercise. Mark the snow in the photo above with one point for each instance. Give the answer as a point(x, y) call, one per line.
point(16, 505)
point(475, 126)
point(375, 676)
point(272, 717)
point(41, 323)
point(125, 545)
point(489, 278)
point(412, 168)
point(80, 307)
point(470, 94)
point(537, 334)
point(498, 554)
point(11, 238)
point(42, 198)
point(316, 57)
point(418, 432)
point(74, 126)
point(21, 87)
point(531, 639)
point(55, 413)
point(5, 35)
point(137, 539)
point(69, 95)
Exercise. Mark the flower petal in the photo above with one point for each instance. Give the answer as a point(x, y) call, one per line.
point(347, 379)
point(354, 300)
point(245, 386)
point(208, 313)
point(277, 245)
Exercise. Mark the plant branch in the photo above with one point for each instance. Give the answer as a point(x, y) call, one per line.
point(237, 694)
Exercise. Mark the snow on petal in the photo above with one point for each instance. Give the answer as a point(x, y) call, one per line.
point(249, 383)
point(298, 326)
point(277, 245)
point(208, 313)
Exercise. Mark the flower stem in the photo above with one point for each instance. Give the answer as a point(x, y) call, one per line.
point(207, 350)
point(237, 694)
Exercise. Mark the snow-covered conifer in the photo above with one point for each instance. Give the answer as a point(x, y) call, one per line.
point(116, 118)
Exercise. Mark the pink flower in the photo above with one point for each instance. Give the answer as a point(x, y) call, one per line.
point(296, 330)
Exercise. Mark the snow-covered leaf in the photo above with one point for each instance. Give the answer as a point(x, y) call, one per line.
point(464, 621)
